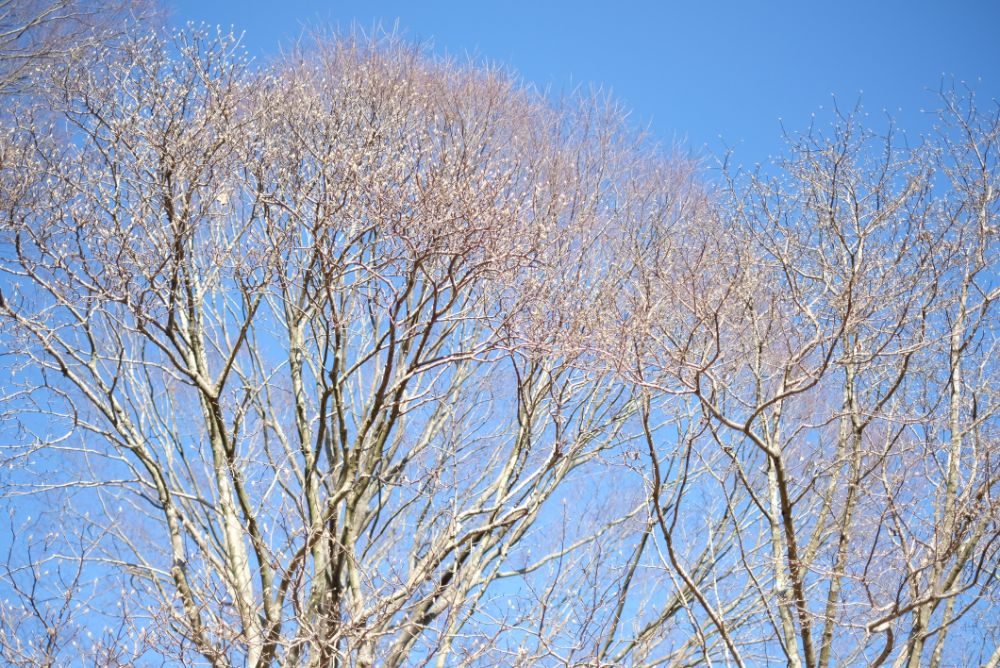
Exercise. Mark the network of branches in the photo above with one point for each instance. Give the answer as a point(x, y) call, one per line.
point(363, 357)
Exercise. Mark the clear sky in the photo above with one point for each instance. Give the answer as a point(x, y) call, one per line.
point(691, 71)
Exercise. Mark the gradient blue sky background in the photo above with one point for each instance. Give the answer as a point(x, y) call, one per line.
point(691, 71)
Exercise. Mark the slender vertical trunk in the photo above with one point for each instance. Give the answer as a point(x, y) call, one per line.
point(782, 585)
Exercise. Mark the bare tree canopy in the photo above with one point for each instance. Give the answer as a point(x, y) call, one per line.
point(368, 358)
point(35, 33)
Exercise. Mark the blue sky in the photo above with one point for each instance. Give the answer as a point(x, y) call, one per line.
point(691, 71)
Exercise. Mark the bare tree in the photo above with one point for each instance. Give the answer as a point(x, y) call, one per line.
point(365, 358)
point(315, 341)
point(834, 320)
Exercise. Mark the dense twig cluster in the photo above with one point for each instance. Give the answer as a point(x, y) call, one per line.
point(364, 358)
